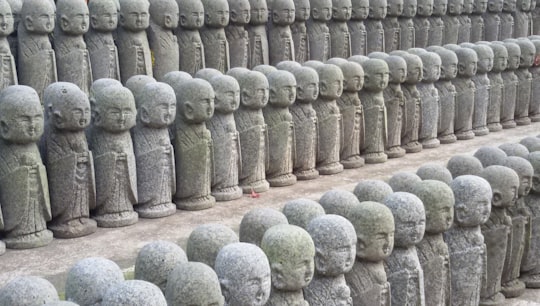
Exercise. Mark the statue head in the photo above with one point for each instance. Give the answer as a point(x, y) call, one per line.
point(282, 86)
point(307, 84)
point(72, 16)
point(500, 57)
point(259, 12)
point(468, 6)
point(335, 244)
point(464, 164)
point(176, 77)
point(38, 16)
point(330, 81)
point(134, 292)
point(374, 226)
point(534, 159)
point(515, 149)
point(504, 184)
point(6, 19)
point(531, 143)
point(157, 106)
point(206, 240)
point(360, 9)
point(244, 274)
point(480, 6)
point(193, 283)
point(15, 7)
point(455, 7)
point(227, 93)
point(425, 8)
point(195, 100)
point(290, 251)
point(514, 55)
point(253, 89)
point(397, 67)
point(301, 211)
point(353, 76)
point(114, 110)
point(431, 63)
point(287, 65)
point(164, 13)
point(136, 84)
point(321, 10)
point(28, 290)
point(264, 69)
point(528, 52)
point(341, 10)
point(134, 15)
point(495, 6)
point(302, 10)
point(69, 107)
point(103, 15)
point(403, 181)
point(377, 9)
point(376, 75)
point(489, 155)
point(216, 13)
point(394, 8)
point(485, 57)
point(191, 14)
point(207, 73)
point(536, 43)
point(472, 205)
point(467, 62)
point(283, 12)
point(409, 8)
point(509, 6)
point(524, 170)
point(257, 221)
point(239, 12)
point(414, 68)
point(438, 200)
point(432, 171)
point(21, 115)
point(372, 190)
point(338, 202)
point(409, 218)
point(439, 7)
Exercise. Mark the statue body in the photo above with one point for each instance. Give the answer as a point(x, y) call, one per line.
point(353, 127)
point(492, 26)
point(237, 36)
point(368, 283)
point(464, 34)
point(477, 28)
point(496, 95)
point(301, 41)
point(258, 39)
point(534, 106)
point(447, 98)
point(216, 48)
point(481, 102)
point(411, 120)
point(429, 97)
point(392, 33)
point(451, 29)
point(8, 70)
point(191, 50)
point(394, 101)
point(422, 24)
point(163, 43)
point(281, 43)
point(435, 261)
point(523, 96)
point(465, 93)
point(522, 22)
point(436, 30)
point(319, 40)
point(340, 39)
point(406, 277)
point(358, 32)
point(530, 265)
point(507, 24)
point(510, 80)
point(407, 33)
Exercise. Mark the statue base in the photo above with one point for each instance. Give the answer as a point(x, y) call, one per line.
point(510, 124)
point(395, 152)
point(352, 162)
point(156, 211)
point(430, 143)
point(496, 300)
point(282, 180)
point(446, 139)
point(535, 117)
point(2, 248)
point(494, 127)
point(375, 158)
point(513, 288)
point(29, 241)
point(304, 175)
point(465, 135)
point(198, 203)
point(481, 131)
point(74, 228)
point(257, 186)
point(412, 147)
point(523, 121)
point(332, 168)
point(227, 193)
point(530, 280)
point(119, 219)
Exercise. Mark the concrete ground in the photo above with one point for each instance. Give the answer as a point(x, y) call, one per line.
point(122, 244)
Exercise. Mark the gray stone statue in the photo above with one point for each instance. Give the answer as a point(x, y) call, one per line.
point(478, 26)
point(392, 31)
point(532, 144)
point(340, 37)
point(357, 28)
point(525, 85)
point(226, 145)
point(36, 61)
point(374, 26)
point(280, 41)
point(496, 90)
point(504, 185)
point(483, 87)
point(132, 42)
point(374, 226)
point(16, 6)
point(8, 75)
point(335, 252)
point(406, 25)
point(258, 40)
point(463, 164)
point(492, 20)
point(154, 154)
point(191, 48)
point(305, 123)
point(438, 200)
point(433, 171)
point(534, 106)
point(515, 149)
point(403, 181)
point(193, 283)
point(193, 145)
point(464, 34)
point(375, 81)
point(422, 25)
point(430, 100)
point(510, 80)
point(216, 46)
point(451, 21)
point(521, 15)
point(207, 74)
point(244, 274)
point(28, 290)
point(465, 97)
point(465, 241)
point(99, 39)
point(290, 251)
point(299, 30)
point(411, 110)
point(257, 221)
point(394, 101)
point(206, 240)
point(69, 162)
point(133, 292)
point(252, 131)
point(301, 211)
point(164, 16)
point(338, 202)
point(23, 178)
point(507, 20)
point(436, 24)
point(490, 156)
point(237, 36)
point(372, 190)
point(114, 114)
point(318, 32)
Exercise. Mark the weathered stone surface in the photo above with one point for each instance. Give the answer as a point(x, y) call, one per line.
point(193, 283)
point(492, 20)
point(422, 25)
point(478, 26)
point(372, 190)
point(317, 30)
point(430, 99)
point(257, 221)
point(280, 41)
point(27, 290)
point(134, 293)
point(302, 9)
point(464, 35)
point(190, 44)
point(392, 31)
point(410, 127)
point(510, 81)
point(530, 265)
point(403, 181)
point(525, 85)
point(206, 240)
point(394, 100)
point(258, 40)
point(534, 106)
point(301, 211)
point(531, 143)
point(9, 73)
point(406, 24)
point(237, 36)
point(164, 15)
point(216, 46)
point(338, 202)
point(357, 28)
point(515, 149)
point(489, 156)
point(483, 86)
point(374, 26)
point(465, 89)
point(496, 90)
point(436, 172)
point(464, 164)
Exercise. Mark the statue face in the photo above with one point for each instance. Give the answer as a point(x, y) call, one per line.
point(342, 10)
point(375, 245)
point(527, 57)
point(259, 12)
point(75, 117)
point(480, 6)
point(193, 19)
point(307, 91)
point(118, 116)
point(354, 82)
point(474, 211)
point(254, 290)
point(398, 72)
point(525, 5)
point(321, 10)
point(439, 216)
point(337, 259)
point(495, 6)
point(449, 69)
point(500, 62)
point(218, 15)
point(535, 184)
point(284, 14)
point(6, 19)
point(256, 97)
point(283, 95)
point(425, 7)
point(302, 10)
point(509, 5)
point(432, 72)
point(135, 16)
point(106, 18)
point(414, 72)
point(227, 101)
point(24, 125)
point(439, 7)
point(468, 6)
point(409, 8)
point(508, 194)
point(342, 296)
point(377, 80)
point(331, 88)
point(42, 22)
point(455, 7)
point(240, 14)
point(513, 61)
point(161, 113)
point(525, 184)
point(360, 9)
point(77, 21)
point(485, 63)
point(377, 10)
point(394, 7)
point(293, 273)
point(410, 228)
point(468, 67)
point(201, 108)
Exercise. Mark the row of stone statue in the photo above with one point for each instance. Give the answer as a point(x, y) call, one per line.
point(464, 234)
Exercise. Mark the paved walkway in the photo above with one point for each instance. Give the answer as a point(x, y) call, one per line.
point(121, 244)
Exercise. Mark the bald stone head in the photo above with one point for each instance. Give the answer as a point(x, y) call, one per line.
point(191, 16)
point(216, 13)
point(524, 170)
point(206, 240)
point(257, 221)
point(409, 218)
point(69, 106)
point(436, 172)
point(338, 202)
point(195, 100)
point(134, 15)
point(504, 184)
point(464, 164)
point(301, 211)
point(307, 84)
point(376, 75)
point(37, 16)
point(403, 181)
point(397, 67)
point(156, 107)
point(472, 205)
point(489, 156)
point(193, 283)
point(103, 15)
point(21, 115)
point(72, 16)
point(282, 86)
point(227, 92)
point(372, 190)
point(438, 200)
point(330, 81)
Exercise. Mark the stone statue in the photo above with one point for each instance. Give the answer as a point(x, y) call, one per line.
point(463, 164)
point(374, 26)
point(280, 39)
point(374, 226)
point(392, 31)
point(492, 20)
point(403, 267)
point(257, 221)
point(394, 101)
point(132, 41)
point(521, 15)
point(433, 171)
point(375, 81)
point(515, 149)
point(193, 145)
point(23, 178)
point(436, 24)
point(252, 131)
point(258, 40)
point(114, 114)
point(69, 162)
point(265, 69)
point(372, 190)
point(482, 84)
point(216, 46)
point(510, 80)
point(534, 106)
point(464, 34)
point(421, 23)
point(504, 185)
point(451, 21)
point(290, 251)
point(193, 283)
point(338, 202)
point(99, 39)
point(36, 61)
point(280, 129)
point(403, 181)
point(191, 48)
point(335, 252)
point(411, 109)
point(299, 30)
point(16, 6)
point(8, 75)
point(206, 240)
point(438, 200)
point(496, 90)
point(154, 154)
point(429, 100)
point(465, 97)
point(305, 123)
point(507, 20)
point(340, 37)
point(226, 145)
point(28, 290)
point(72, 57)
point(237, 36)
point(465, 241)
point(301, 211)
point(133, 292)
point(357, 28)
point(532, 144)
point(207, 74)
point(406, 25)
point(525, 85)
point(329, 119)
point(244, 274)
point(164, 15)
point(352, 115)
point(490, 156)
point(478, 27)
point(318, 32)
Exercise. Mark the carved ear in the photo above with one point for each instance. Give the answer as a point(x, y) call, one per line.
point(334, 12)
point(207, 19)
point(366, 80)
point(145, 117)
point(29, 23)
point(322, 86)
point(233, 15)
point(183, 20)
point(58, 120)
point(96, 116)
point(275, 16)
point(315, 13)
point(188, 111)
point(420, 9)
point(536, 183)
point(243, 95)
point(225, 288)
point(272, 93)
point(4, 128)
point(277, 270)
point(461, 68)
point(121, 19)
point(497, 198)
point(299, 92)
point(168, 20)
point(320, 261)
point(64, 22)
